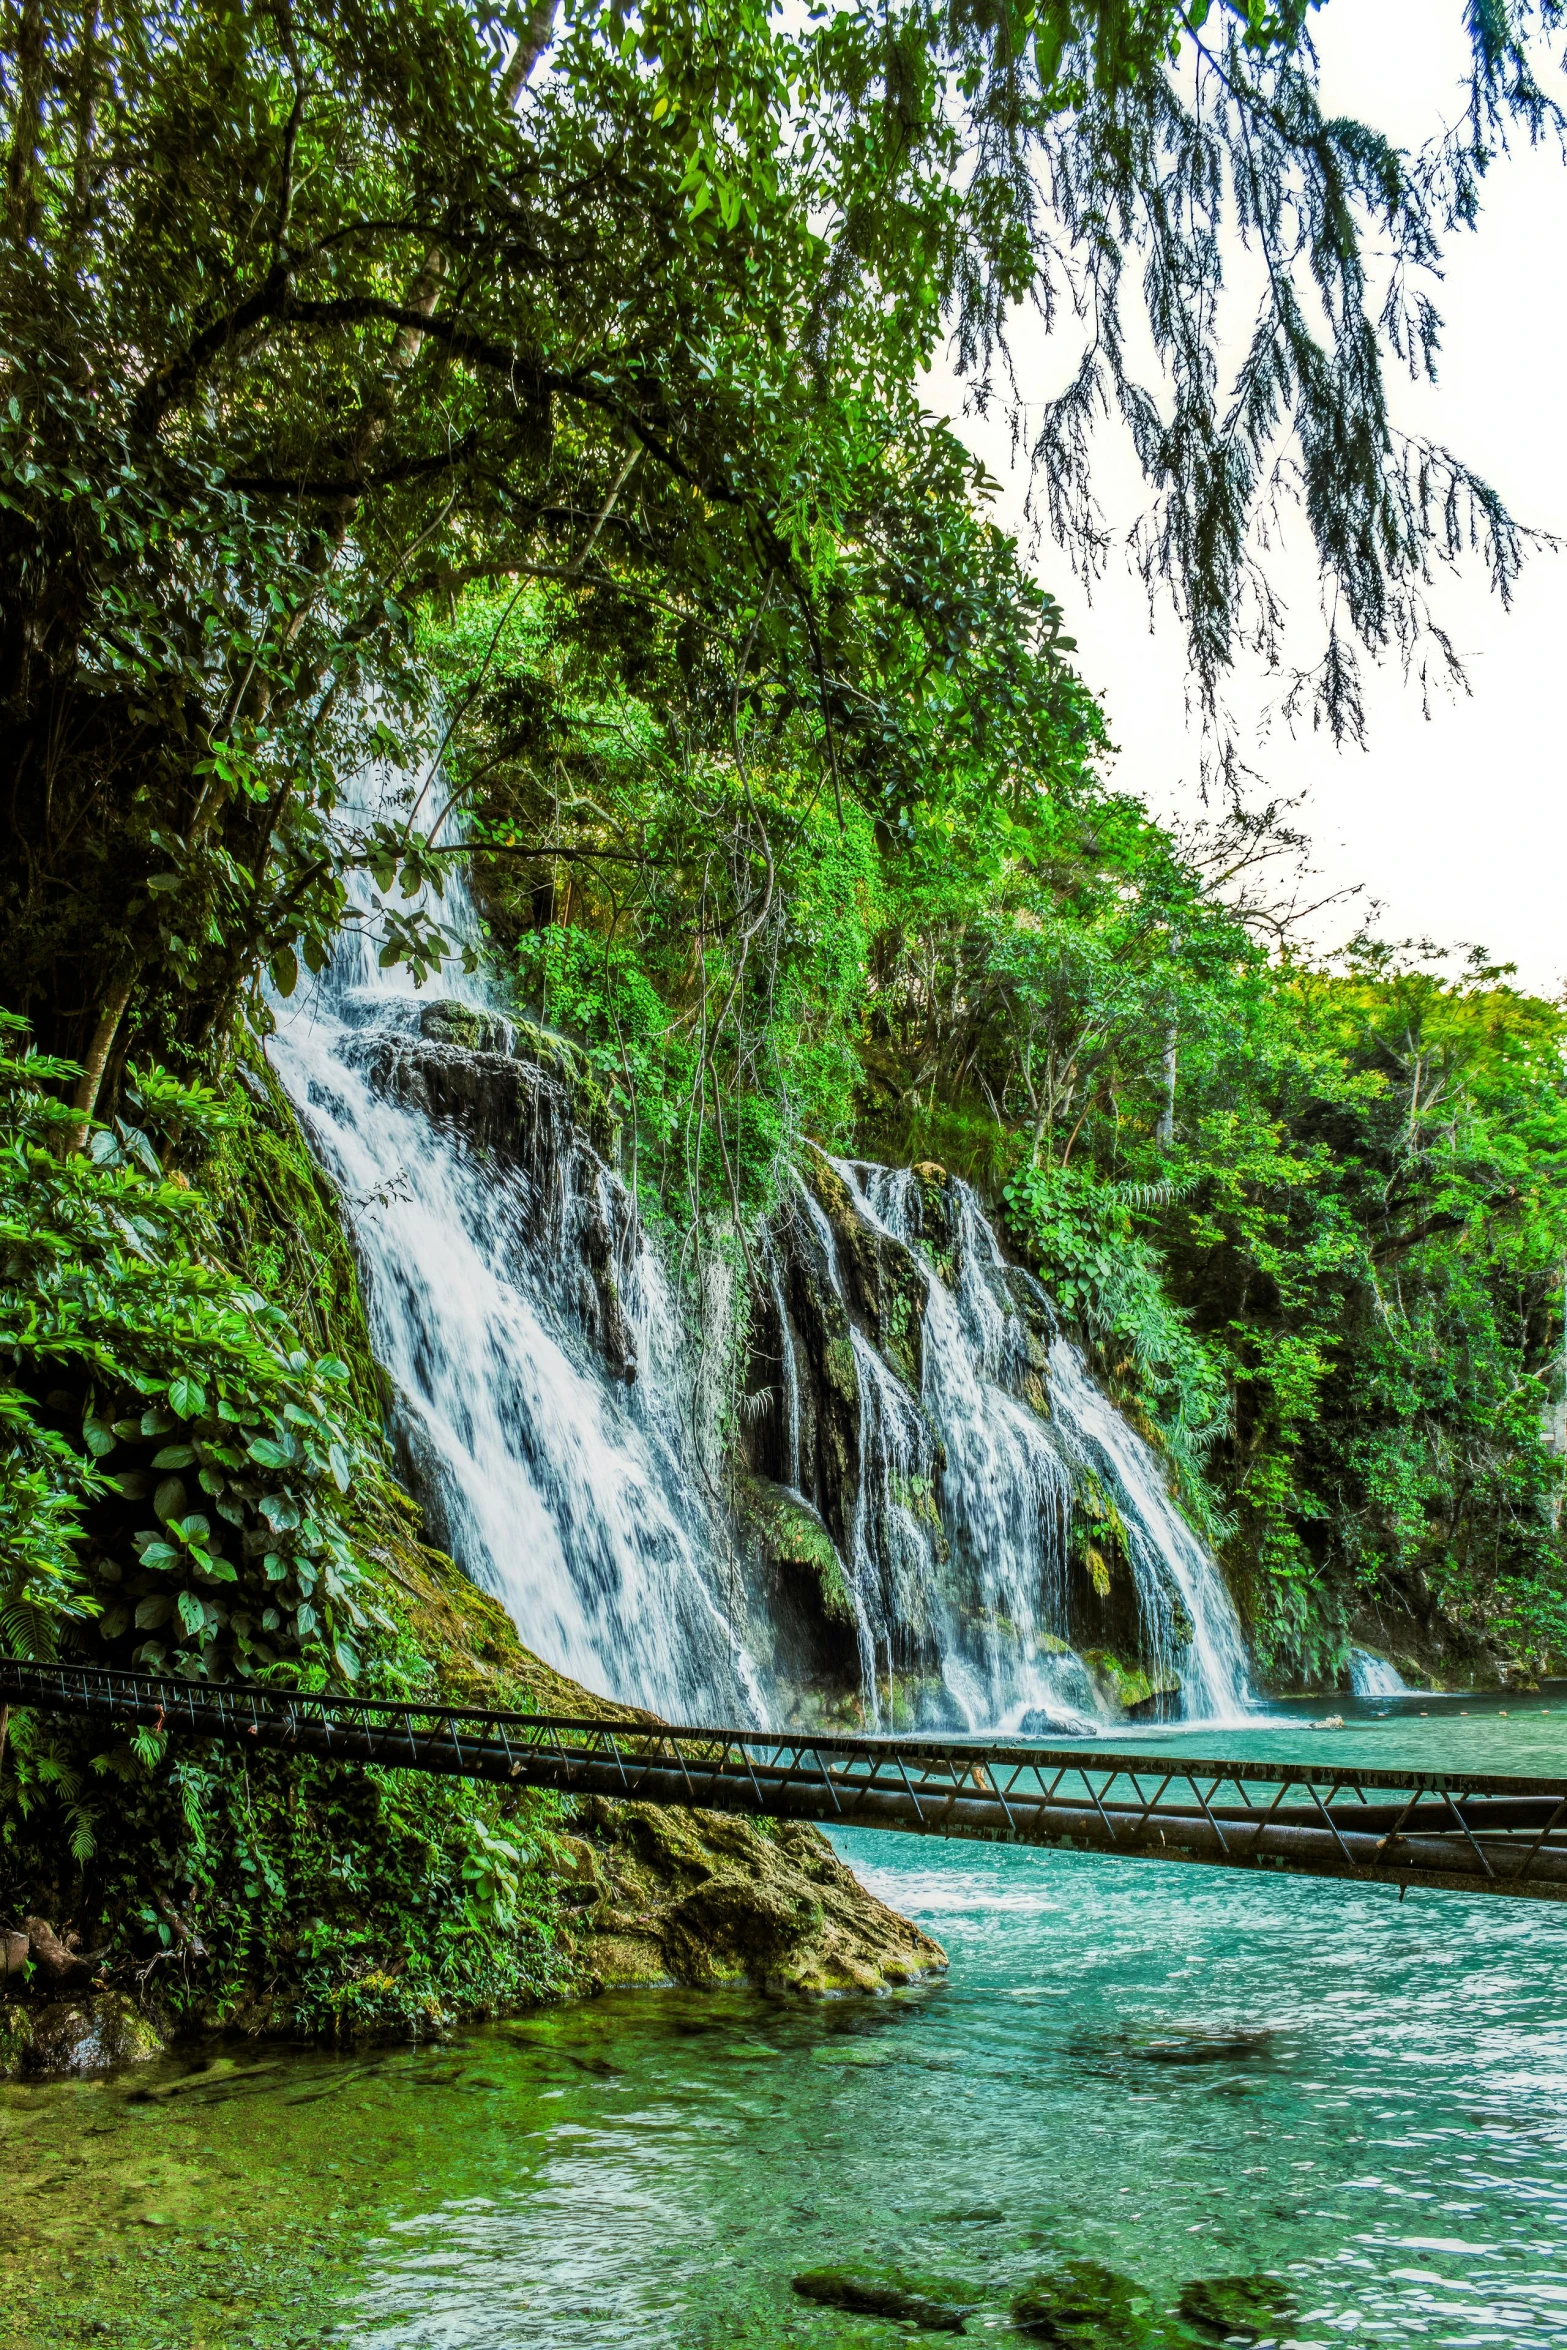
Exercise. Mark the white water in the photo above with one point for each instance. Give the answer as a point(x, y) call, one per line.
point(1006, 1498)
point(554, 1486)
point(1373, 1676)
point(582, 1502)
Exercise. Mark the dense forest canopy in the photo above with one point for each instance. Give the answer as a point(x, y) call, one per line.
point(531, 397)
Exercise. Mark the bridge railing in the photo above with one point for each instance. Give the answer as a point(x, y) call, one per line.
point(1483, 1833)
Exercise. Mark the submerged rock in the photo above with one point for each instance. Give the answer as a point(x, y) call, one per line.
point(1245, 2309)
point(1082, 2305)
point(937, 2305)
point(1203, 2048)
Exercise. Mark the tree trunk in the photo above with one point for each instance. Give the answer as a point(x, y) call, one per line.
point(85, 1099)
point(536, 38)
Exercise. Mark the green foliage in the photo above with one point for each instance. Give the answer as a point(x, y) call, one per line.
point(670, 889)
point(313, 319)
point(1109, 1277)
point(178, 1466)
point(283, 1895)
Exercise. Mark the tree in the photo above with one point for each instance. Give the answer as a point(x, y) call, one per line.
point(308, 319)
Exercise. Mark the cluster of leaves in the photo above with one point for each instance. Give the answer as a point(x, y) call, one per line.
point(178, 1468)
point(1314, 1222)
point(278, 1894)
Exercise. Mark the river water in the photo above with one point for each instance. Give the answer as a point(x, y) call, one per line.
point(1179, 2072)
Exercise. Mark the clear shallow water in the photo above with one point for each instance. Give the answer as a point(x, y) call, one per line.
point(1179, 2071)
point(1462, 1730)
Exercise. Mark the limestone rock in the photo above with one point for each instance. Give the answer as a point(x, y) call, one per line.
point(699, 1897)
point(445, 1021)
point(87, 2035)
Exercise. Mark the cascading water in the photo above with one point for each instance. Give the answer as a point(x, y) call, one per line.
point(570, 1494)
point(1006, 1496)
point(1373, 1676)
point(544, 1399)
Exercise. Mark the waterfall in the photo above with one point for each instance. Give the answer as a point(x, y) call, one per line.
point(562, 1431)
point(1006, 1495)
point(571, 1493)
point(1373, 1676)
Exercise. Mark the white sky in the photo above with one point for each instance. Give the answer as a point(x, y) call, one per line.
point(1457, 826)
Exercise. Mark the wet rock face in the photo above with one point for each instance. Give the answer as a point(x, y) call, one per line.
point(829, 1274)
point(518, 1097)
point(804, 1626)
point(65, 2038)
point(883, 1287)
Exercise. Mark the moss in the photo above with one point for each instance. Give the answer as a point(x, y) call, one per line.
point(16, 2038)
point(788, 1533)
point(1240, 2309)
point(282, 1225)
point(1131, 1686)
point(592, 1107)
point(935, 2304)
point(1082, 2305)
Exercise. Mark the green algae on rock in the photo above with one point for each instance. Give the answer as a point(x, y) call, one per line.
point(1082, 2305)
point(1244, 2309)
point(936, 2304)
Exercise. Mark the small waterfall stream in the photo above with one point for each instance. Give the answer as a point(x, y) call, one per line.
point(1373, 1676)
point(543, 1409)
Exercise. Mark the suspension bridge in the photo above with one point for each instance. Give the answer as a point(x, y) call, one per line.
point(1475, 1833)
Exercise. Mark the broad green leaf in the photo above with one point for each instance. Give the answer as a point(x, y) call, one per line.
point(169, 1498)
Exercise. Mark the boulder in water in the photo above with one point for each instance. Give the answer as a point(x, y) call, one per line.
point(1082, 2305)
point(476, 1031)
point(93, 2034)
point(937, 2305)
point(1244, 2309)
point(1040, 1722)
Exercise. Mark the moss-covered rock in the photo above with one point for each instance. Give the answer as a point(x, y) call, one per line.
point(16, 2037)
point(1082, 2305)
point(1240, 2309)
point(1141, 1694)
point(700, 1897)
point(95, 2033)
point(935, 2304)
point(794, 1549)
